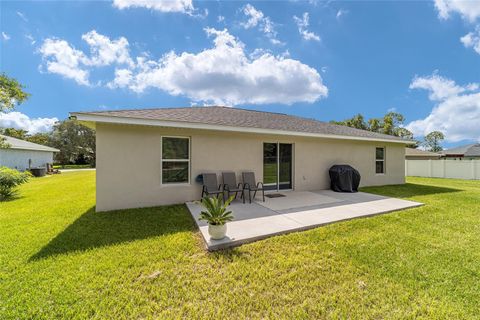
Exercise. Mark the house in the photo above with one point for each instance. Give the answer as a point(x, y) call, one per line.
point(417, 154)
point(467, 152)
point(152, 157)
point(22, 154)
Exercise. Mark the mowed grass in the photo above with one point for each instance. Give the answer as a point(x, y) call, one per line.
point(59, 259)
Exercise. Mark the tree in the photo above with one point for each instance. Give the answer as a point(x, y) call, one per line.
point(15, 133)
point(374, 125)
point(392, 122)
point(40, 138)
point(11, 93)
point(75, 141)
point(432, 141)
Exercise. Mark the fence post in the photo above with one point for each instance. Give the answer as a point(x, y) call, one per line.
point(430, 174)
point(444, 164)
point(473, 165)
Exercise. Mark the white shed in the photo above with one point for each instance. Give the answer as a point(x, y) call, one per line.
point(22, 154)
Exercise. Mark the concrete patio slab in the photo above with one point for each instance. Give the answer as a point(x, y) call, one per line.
point(259, 221)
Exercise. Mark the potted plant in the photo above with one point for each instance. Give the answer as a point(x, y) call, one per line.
point(217, 215)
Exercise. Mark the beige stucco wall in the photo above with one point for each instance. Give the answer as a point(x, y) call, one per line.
point(129, 171)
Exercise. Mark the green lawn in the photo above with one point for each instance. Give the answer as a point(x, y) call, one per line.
point(59, 259)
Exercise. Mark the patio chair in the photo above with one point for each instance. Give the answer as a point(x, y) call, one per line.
point(211, 186)
point(250, 184)
point(230, 185)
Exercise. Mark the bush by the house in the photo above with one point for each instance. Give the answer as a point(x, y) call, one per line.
point(10, 179)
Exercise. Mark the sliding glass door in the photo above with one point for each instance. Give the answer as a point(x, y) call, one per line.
point(277, 166)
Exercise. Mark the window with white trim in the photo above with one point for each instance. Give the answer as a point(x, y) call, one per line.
point(379, 160)
point(175, 160)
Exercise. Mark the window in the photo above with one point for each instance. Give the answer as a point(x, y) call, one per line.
point(380, 160)
point(175, 160)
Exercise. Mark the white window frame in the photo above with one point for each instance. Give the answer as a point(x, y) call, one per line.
point(382, 160)
point(175, 160)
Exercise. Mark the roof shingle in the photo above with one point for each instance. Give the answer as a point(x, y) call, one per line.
point(236, 117)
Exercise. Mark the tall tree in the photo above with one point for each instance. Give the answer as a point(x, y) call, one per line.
point(432, 141)
point(40, 138)
point(392, 122)
point(75, 141)
point(11, 93)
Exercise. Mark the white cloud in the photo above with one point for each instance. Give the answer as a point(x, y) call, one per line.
point(220, 19)
point(468, 9)
point(254, 16)
point(5, 36)
point(472, 40)
point(61, 58)
point(22, 16)
point(226, 74)
point(341, 13)
point(104, 51)
point(302, 24)
point(265, 24)
point(182, 6)
point(457, 109)
point(19, 120)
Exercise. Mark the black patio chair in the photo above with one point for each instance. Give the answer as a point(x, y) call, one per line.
point(230, 185)
point(211, 186)
point(250, 184)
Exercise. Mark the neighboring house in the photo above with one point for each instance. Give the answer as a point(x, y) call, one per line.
point(468, 152)
point(417, 154)
point(22, 154)
point(153, 156)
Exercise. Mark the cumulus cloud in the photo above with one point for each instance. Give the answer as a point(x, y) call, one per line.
point(104, 51)
point(225, 74)
point(19, 120)
point(468, 9)
point(61, 58)
point(472, 40)
point(256, 18)
point(456, 112)
point(182, 6)
point(302, 24)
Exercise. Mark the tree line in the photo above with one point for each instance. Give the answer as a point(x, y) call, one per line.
point(392, 124)
point(75, 141)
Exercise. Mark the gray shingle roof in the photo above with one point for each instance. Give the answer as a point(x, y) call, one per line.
point(236, 117)
point(418, 152)
point(15, 143)
point(469, 150)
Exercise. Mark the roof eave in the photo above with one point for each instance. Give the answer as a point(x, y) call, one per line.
point(93, 118)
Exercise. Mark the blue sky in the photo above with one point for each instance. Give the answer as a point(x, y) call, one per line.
point(325, 60)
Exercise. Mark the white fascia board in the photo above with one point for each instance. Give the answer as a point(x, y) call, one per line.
point(203, 126)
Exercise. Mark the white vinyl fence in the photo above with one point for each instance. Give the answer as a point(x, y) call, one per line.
point(458, 169)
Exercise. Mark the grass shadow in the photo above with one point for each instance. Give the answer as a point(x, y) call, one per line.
point(94, 230)
point(408, 190)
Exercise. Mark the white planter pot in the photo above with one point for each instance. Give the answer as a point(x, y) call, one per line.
point(217, 232)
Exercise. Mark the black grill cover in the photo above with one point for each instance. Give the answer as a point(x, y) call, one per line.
point(344, 178)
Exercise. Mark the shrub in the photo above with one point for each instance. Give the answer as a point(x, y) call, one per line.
point(9, 180)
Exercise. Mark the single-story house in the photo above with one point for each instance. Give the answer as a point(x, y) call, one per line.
point(467, 152)
point(152, 157)
point(417, 154)
point(22, 155)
